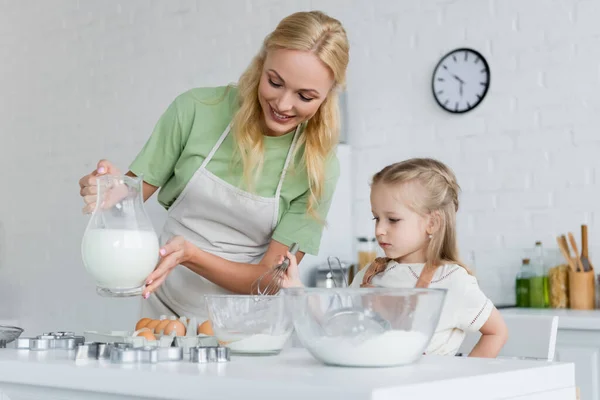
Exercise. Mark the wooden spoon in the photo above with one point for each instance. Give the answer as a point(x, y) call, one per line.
point(585, 260)
point(576, 250)
point(562, 245)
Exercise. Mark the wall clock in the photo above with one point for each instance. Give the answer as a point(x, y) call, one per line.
point(460, 80)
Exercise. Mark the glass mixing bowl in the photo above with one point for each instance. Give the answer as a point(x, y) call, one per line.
point(8, 334)
point(365, 327)
point(249, 324)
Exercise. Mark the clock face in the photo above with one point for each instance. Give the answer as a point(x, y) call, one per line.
point(461, 80)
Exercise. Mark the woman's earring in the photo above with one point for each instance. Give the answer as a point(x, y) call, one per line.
point(430, 236)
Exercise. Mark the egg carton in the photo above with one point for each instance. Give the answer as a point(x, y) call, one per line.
point(50, 341)
point(189, 340)
point(185, 321)
point(193, 339)
point(191, 325)
point(133, 337)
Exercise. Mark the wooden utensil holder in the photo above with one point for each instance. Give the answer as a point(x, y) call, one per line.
point(582, 290)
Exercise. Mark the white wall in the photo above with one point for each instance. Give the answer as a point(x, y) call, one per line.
point(81, 80)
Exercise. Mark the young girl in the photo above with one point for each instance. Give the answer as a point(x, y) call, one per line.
point(414, 205)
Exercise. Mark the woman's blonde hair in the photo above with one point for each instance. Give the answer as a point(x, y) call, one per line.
point(437, 195)
point(325, 37)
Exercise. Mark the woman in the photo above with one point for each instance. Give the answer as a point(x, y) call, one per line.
point(244, 171)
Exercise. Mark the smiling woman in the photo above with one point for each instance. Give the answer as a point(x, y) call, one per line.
point(237, 201)
point(284, 102)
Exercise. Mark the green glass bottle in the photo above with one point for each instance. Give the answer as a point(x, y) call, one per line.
point(522, 284)
point(539, 296)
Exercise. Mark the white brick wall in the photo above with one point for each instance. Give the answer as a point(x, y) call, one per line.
point(526, 158)
point(80, 80)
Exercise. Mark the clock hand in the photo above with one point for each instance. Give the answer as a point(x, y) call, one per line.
point(458, 79)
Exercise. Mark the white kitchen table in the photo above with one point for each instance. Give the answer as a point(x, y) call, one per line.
point(293, 374)
point(578, 341)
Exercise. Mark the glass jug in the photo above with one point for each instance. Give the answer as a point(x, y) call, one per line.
point(119, 246)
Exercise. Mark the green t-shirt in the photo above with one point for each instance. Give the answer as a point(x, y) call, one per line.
point(186, 133)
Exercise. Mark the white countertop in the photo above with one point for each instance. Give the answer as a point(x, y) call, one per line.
point(294, 374)
point(567, 319)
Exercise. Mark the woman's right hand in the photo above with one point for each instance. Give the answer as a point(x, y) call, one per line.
point(87, 184)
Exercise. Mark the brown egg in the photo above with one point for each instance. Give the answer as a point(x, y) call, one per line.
point(205, 328)
point(148, 335)
point(142, 323)
point(161, 325)
point(176, 327)
point(152, 324)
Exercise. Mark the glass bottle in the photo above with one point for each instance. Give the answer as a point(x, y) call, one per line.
point(538, 286)
point(522, 284)
point(367, 251)
point(119, 247)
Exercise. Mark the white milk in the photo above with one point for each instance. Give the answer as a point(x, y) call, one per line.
point(259, 343)
point(120, 258)
point(388, 349)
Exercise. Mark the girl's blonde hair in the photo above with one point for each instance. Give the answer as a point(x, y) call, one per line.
point(437, 195)
point(326, 38)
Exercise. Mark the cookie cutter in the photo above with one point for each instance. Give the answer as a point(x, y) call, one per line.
point(209, 354)
point(145, 355)
point(59, 334)
point(50, 341)
point(189, 342)
point(95, 350)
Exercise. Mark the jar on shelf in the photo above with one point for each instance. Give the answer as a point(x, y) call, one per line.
point(367, 251)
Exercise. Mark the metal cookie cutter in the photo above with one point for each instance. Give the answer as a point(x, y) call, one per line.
point(64, 341)
point(189, 342)
point(169, 354)
point(94, 351)
point(145, 355)
point(202, 355)
point(59, 334)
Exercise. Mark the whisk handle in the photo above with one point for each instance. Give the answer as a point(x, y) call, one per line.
point(293, 249)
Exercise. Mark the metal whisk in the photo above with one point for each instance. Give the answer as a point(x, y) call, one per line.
point(340, 267)
point(270, 282)
point(344, 318)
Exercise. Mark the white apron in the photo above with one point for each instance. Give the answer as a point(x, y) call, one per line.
point(220, 219)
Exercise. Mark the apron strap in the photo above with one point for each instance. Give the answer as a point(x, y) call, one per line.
point(215, 147)
point(379, 265)
point(287, 163)
point(285, 166)
point(376, 267)
point(425, 277)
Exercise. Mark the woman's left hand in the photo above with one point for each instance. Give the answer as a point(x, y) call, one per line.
point(175, 252)
point(292, 275)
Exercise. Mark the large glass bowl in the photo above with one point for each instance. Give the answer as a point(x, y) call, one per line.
point(249, 324)
point(8, 334)
point(365, 327)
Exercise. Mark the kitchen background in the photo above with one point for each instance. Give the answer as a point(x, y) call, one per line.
point(84, 80)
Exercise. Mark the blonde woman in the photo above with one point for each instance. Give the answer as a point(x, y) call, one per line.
point(414, 206)
point(244, 170)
